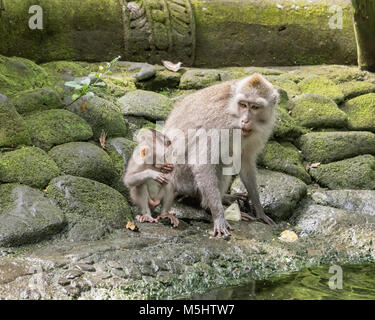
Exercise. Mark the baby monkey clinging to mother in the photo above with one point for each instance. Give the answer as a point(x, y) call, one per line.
point(147, 176)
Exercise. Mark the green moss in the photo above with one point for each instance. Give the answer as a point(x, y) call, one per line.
point(70, 68)
point(354, 89)
point(84, 159)
point(286, 127)
point(284, 157)
point(316, 111)
point(354, 173)
point(28, 165)
point(199, 78)
point(288, 85)
point(36, 100)
point(18, 74)
point(13, 130)
point(322, 86)
point(53, 127)
point(361, 112)
point(102, 115)
point(326, 147)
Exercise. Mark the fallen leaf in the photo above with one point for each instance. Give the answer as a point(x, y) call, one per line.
point(313, 165)
point(131, 226)
point(288, 236)
point(171, 66)
point(83, 106)
point(102, 138)
point(233, 212)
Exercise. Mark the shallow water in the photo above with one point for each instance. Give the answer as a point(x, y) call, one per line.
point(358, 282)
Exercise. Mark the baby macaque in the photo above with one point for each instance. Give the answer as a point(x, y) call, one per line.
point(147, 176)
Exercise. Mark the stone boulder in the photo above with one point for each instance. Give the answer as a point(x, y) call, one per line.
point(353, 173)
point(322, 86)
point(361, 112)
point(27, 216)
point(354, 89)
point(28, 165)
point(101, 115)
point(286, 127)
point(84, 159)
point(326, 147)
point(54, 127)
point(316, 111)
point(199, 78)
point(279, 193)
point(92, 209)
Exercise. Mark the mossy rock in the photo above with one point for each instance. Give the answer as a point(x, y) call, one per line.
point(53, 127)
point(284, 157)
point(147, 104)
point(322, 86)
point(3, 98)
point(102, 115)
point(361, 112)
point(70, 68)
point(13, 130)
point(200, 78)
point(289, 86)
point(286, 127)
point(326, 147)
point(28, 165)
point(27, 216)
point(316, 111)
point(84, 159)
point(18, 74)
point(164, 79)
point(36, 100)
point(354, 89)
point(353, 173)
point(279, 203)
point(92, 209)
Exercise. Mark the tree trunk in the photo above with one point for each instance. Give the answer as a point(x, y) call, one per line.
point(364, 25)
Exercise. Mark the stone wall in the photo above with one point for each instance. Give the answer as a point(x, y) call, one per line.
point(196, 32)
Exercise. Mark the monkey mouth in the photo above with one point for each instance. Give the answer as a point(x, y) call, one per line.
point(246, 132)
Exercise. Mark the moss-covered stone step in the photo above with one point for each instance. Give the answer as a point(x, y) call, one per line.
point(326, 147)
point(148, 104)
point(286, 127)
point(277, 202)
point(284, 157)
point(13, 130)
point(361, 112)
point(200, 78)
point(18, 74)
point(27, 216)
point(54, 127)
point(317, 111)
point(354, 89)
point(322, 86)
point(353, 173)
point(29, 165)
point(36, 100)
point(362, 201)
point(92, 209)
point(102, 115)
point(84, 159)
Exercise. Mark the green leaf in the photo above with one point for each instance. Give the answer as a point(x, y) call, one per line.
point(73, 84)
point(86, 81)
point(76, 96)
point(100, 84)
point(89, 95)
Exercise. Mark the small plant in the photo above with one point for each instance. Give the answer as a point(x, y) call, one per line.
point(84, 88)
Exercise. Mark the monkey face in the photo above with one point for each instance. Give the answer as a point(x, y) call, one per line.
point(250, 111)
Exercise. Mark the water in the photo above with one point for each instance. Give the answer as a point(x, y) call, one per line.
point(358, 282)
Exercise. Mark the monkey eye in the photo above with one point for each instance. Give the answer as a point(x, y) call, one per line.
point(255, 106)
point(243, 104)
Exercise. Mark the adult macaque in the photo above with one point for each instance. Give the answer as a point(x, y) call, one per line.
point(147, 177)
point(247, 105)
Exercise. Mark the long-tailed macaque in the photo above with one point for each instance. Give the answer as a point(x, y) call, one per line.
point(248, 105)
point(147, 176)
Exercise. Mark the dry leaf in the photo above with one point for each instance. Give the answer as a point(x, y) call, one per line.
point(101, 68)
point(313, 165)
point(288, 236)
point(102, 138)
point(171, 66)
point(131, 226)
point(83, 106)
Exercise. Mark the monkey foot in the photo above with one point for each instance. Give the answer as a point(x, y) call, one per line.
point(247, 217)
point(146, 218)
point(153, 203)
point(230, 198)
point(266, 219)
point(174, 221)
point(221, 228)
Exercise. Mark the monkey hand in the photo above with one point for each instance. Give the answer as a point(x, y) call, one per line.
point(146, 218)
point(160, 177)
point(174, 221)
point(166, 168)
point(221, 228)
